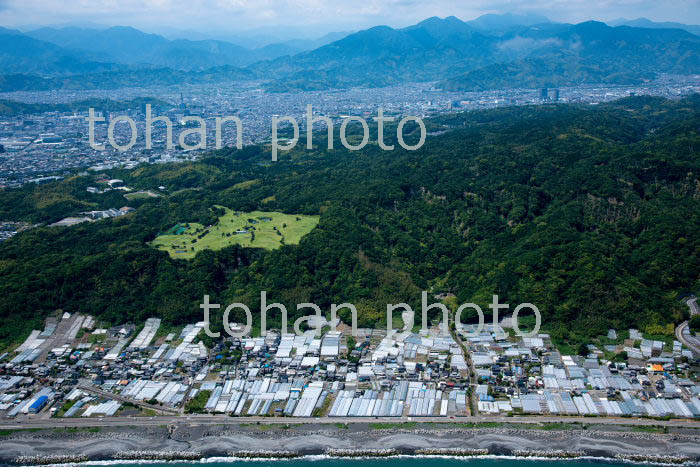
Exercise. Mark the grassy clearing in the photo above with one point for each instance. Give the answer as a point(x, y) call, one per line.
point(19, 430)
point(393, 426)
point(78, 429)
point(197, 403)
point(551, 426)
point(140, 195)
point(648, 429)
point(257, 229)
point(323, 410)
point(65, 408)
point(247, 184)
point(470, 424)
point(262, 426)
point(546, 426)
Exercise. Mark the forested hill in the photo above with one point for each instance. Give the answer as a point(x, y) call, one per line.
point(591, 213)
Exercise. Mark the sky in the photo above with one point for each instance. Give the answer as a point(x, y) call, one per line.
point(316, 17)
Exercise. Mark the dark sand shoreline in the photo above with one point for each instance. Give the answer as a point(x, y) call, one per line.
point(221, 441)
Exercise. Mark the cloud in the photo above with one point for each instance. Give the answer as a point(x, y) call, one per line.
point(240, 15)
point(526, 44)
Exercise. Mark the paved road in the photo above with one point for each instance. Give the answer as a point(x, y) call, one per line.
point(226, 420)
point(683, 335)
point(694, 307)
point(683, 332)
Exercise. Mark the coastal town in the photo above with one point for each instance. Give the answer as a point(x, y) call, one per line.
point(387, 232)
point(75, 368)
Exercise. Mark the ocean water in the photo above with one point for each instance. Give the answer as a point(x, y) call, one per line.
point(401, 461)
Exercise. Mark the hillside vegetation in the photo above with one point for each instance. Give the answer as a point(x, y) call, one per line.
point(591, 213)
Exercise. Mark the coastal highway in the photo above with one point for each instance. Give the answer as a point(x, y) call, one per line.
point(693, 305)
point(683, 332)
point(683, 335)
point(226, 420)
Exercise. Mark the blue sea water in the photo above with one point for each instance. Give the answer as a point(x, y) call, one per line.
point(407, 461)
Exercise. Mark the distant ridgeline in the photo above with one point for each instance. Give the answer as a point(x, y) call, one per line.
point(591, 213)
point(459, 55)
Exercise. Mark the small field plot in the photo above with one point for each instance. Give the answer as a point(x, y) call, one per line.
point(257, 229)
point(140, 195)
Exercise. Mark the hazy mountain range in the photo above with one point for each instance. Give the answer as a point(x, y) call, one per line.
point(72, 50)
point(647, 23)
point(493, 51)
point(130, 46)
point(470, 58)
point(590, 52)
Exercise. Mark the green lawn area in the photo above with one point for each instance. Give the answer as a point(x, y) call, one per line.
point(257, 229)
point(246, 184)
point(393, 426)
point(140, 195)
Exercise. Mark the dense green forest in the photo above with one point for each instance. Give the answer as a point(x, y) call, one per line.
point(590, 212)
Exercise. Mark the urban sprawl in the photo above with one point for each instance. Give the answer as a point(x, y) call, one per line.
point(75, 368)
point(41, 147)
